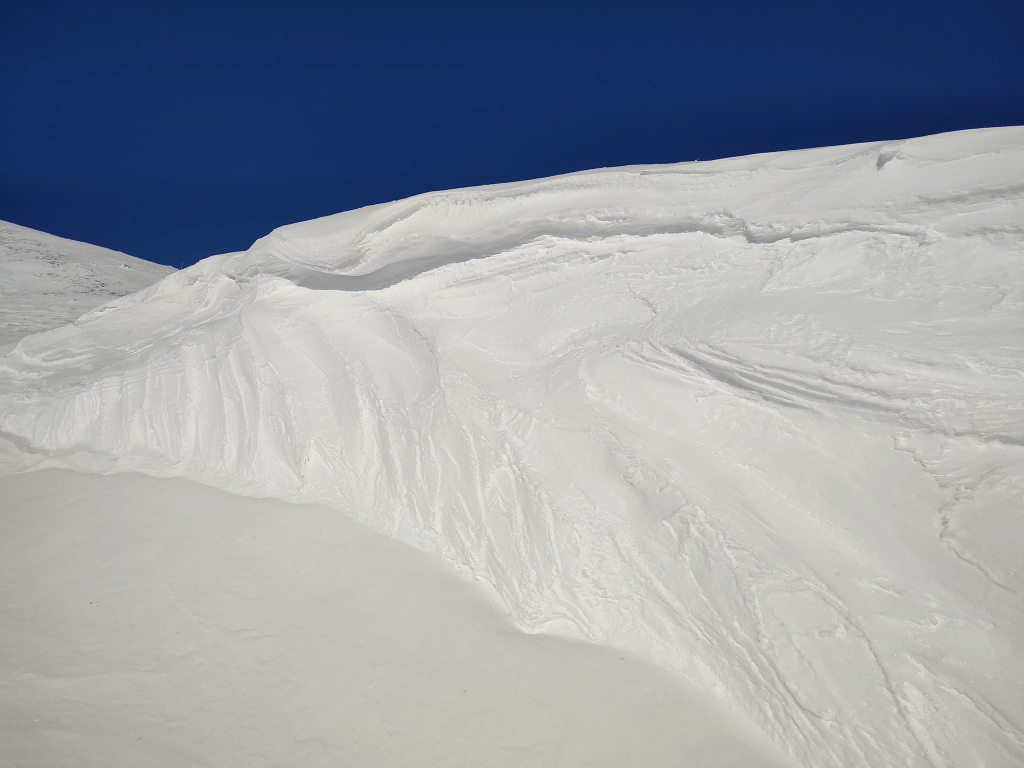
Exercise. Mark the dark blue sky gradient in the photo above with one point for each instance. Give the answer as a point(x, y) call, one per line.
point(176, 132)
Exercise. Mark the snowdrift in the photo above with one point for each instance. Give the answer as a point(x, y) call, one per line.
point(157, 622)
point(758, 420)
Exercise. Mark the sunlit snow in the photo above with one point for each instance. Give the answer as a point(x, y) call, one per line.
point(757, 421)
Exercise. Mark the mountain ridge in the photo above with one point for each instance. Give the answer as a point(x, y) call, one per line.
point(756, 420)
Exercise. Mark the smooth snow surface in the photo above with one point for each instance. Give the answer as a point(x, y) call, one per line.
point(47, 281)
point(759, 421)
point(156, 622)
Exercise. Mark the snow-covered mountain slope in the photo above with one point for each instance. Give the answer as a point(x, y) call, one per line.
point(47, 281)
point(757, 420)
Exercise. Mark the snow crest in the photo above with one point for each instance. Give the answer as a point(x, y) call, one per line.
point(758, 420)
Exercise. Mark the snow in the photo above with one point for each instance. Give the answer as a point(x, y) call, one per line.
point(47, 281)
point(757, 421)
point(185, 626)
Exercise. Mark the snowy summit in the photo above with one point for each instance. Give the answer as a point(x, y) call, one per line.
point(758, 422)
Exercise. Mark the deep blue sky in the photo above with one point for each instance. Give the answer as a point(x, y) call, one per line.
point(176, 132)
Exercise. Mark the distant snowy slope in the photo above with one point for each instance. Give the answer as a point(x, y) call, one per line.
point(46, 281)
point(757, 420)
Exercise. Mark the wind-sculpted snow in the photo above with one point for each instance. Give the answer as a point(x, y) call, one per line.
point(47, 281)
point(759, 420)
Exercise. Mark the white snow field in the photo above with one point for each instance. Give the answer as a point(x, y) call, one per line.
point(157, 622)
point(757, 421)
point(47, 281)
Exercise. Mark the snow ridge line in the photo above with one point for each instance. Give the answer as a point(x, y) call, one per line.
point(720, 453)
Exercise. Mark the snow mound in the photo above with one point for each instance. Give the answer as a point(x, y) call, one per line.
point(160, 623)
point(47, 281)
point(758, 420)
